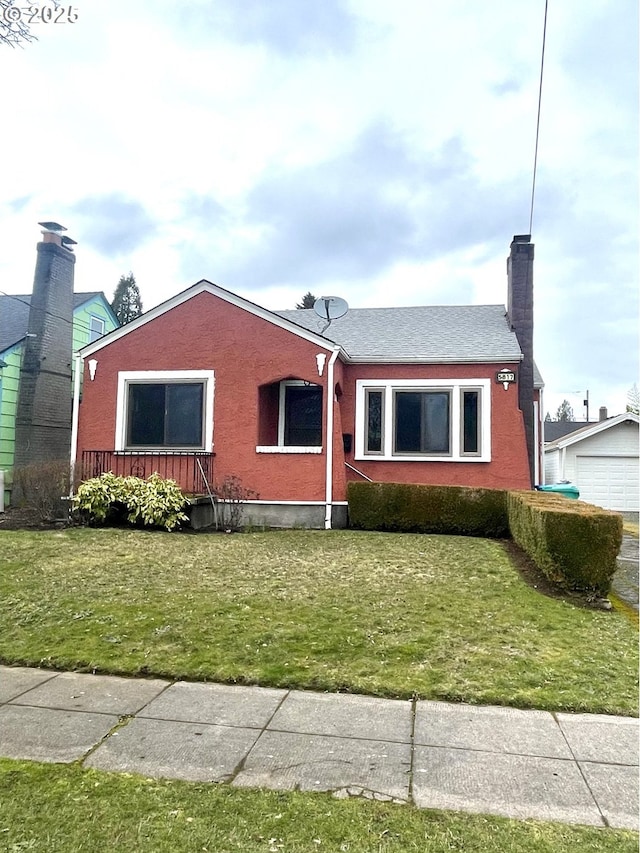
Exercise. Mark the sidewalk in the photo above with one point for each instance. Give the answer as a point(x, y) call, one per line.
point(576, 768)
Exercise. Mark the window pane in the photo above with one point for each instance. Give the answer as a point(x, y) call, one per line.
point(146, 415)
point(184, 415)
point(408, 421)
point(435, 422)
point(303, 416)
point(470, 442)
point(422, 422)
point(374, 421)
point(165, 415)
point(96, 328)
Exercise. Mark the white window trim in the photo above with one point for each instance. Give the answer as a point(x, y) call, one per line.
point(291, 448)
point(456, 386)
point(277, 448)
point(150, 376)
point(92, 319)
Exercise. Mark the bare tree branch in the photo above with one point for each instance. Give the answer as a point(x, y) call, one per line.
point(14, 26)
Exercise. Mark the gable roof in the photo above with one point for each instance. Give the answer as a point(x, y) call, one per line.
point(591, 429)
point(80, 298)
point(204, 286)
point(421, 334)
point(14, 314)
point(425, 334)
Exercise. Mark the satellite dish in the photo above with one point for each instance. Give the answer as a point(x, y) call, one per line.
point(330, 308)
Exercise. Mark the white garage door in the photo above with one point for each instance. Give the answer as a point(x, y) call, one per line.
point(609, 481)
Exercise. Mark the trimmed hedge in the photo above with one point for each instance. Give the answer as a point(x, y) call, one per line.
point(411, 508)
point(573, 543)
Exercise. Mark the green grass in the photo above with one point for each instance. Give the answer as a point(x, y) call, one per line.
point(438, 617)
point(66, 809)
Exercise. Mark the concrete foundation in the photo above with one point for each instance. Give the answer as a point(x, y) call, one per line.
point(264, 514)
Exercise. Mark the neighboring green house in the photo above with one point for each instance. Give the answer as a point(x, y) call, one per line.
point(92, 318)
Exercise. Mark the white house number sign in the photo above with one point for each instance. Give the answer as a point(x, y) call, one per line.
point(506, 377)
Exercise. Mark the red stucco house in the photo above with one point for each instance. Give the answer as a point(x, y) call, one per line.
point(209, 385)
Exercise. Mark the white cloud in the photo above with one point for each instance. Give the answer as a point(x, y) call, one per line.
point(381, 152)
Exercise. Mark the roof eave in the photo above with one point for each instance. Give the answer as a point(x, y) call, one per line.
point(13, 345)
point(592, 429)
point(205, 286)
point(356, 359)
point(97, 294)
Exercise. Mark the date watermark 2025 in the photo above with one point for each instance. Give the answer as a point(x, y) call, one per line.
point(39, 14)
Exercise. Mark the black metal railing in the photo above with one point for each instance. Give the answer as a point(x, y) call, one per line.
point(185, 467)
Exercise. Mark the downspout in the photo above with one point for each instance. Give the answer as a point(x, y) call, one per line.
point(329, 474)
point(536, 442)
point(542, 479)
point(74, 421)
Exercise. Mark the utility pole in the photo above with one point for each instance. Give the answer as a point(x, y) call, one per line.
point(585, 402)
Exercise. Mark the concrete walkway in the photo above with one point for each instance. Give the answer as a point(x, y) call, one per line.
point(575, 768)
point(625, 580)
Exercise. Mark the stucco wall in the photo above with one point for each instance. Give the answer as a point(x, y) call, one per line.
point(246, 352)
point(508, 467)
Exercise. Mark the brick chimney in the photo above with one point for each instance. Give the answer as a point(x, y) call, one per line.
point(43, 419)
point(520, 317)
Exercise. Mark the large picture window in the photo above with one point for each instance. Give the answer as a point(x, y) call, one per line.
point(410, 419)
point(168, 410)
point(422, 422)
point(165, 414)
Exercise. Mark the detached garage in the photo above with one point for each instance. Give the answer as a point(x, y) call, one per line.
point(602, 460)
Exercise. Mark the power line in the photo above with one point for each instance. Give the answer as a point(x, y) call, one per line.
point(74, 322)
point(535, 156)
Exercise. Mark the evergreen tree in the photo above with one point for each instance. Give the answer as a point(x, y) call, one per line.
point(127, 304)
point(308, 300)
point(633, 399)
point(565, 412)
point(547, 417)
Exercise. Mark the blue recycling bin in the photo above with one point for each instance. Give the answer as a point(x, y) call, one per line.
point(567, 489)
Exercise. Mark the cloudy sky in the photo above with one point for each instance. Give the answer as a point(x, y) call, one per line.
point(380, 151)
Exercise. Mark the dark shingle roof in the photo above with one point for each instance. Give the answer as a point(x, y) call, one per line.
point(554, 430)
point(14, 315)
point(432, 333)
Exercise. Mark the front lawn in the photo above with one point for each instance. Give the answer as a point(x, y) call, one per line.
point(438, 617)
point(65, 809)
